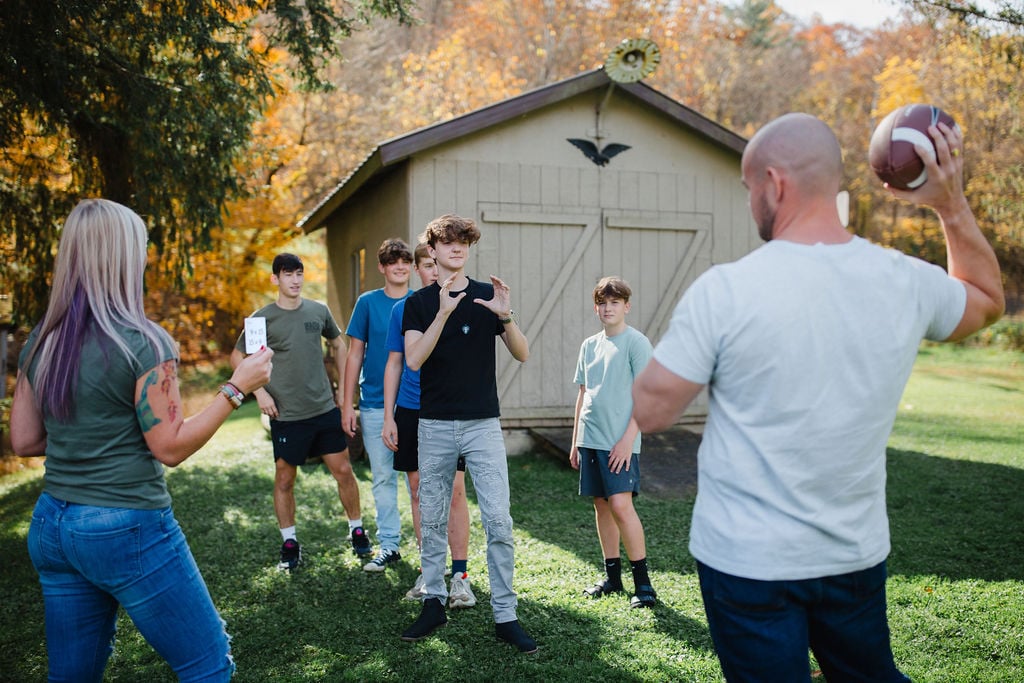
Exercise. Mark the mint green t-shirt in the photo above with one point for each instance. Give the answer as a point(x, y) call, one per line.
point(606, 368)
point(100, 456)
point(299, 383)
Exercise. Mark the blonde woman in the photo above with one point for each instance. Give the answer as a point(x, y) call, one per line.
point(98, 394)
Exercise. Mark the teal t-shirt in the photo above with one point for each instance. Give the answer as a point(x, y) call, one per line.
point(606, 368)
point(299, 383)
point(100, 456)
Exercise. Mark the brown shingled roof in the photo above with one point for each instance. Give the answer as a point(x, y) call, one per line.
point(400, 148)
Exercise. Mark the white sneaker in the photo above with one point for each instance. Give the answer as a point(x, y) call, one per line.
point(418, 591)
point(386, 557)
point(461, 595)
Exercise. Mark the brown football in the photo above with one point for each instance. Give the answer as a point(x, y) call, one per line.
point(891, 152)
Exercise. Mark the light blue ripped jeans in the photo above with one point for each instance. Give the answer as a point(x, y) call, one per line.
point(483, 446)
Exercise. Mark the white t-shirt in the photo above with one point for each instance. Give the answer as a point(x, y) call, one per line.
point(806, 351)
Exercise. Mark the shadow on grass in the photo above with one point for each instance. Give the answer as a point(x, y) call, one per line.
point(962, 429)
point(332, 621)
point(955, 518)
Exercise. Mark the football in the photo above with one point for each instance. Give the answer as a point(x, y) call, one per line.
point(891, 152)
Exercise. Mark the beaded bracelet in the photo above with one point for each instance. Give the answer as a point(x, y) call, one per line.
point(232, 394)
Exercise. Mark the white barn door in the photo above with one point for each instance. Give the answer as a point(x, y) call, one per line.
point(556, 258)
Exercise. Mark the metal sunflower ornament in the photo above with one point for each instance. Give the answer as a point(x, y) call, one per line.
point(632, 60)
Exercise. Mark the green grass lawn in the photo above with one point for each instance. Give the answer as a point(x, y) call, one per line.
point(956, 590)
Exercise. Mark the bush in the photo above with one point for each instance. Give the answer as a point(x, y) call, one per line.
point(1008, 334)
point(5, 415)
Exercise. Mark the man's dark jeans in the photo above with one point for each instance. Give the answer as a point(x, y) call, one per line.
point(763, 629)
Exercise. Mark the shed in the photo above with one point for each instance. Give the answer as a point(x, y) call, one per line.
point(553, 220)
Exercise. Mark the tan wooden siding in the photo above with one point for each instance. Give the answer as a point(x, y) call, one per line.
point(552, 232)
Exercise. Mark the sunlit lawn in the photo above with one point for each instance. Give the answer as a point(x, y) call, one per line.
point(956, 590)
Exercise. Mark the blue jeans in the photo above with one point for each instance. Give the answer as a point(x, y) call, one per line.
point(763, 629)
point(91, 559)
point(385, 478)
point(483, 446)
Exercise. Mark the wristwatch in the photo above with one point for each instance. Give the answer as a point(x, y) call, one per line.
point(510, 318)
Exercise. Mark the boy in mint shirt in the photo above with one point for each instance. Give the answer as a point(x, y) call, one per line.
point(606, 439)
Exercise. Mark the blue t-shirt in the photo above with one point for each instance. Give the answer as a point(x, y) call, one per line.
point(369, 324)
point(409, 387)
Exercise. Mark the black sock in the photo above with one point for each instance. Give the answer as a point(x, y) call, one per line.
point(639, 568)
point(613, 568)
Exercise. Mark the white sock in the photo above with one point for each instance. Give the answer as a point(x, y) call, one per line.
point(353, 523)
point(287, 533)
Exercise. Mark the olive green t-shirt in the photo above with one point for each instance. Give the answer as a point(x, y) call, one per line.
point(299, 383)
point(100, 456)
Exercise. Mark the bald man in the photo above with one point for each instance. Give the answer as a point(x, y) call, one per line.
point(805, 346)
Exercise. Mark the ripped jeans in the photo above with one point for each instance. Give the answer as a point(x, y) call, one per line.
point(483, 446)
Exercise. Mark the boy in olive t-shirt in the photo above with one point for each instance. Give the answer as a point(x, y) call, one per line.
point(305, 420)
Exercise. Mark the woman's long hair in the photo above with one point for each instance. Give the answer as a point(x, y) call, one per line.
point(97, 285)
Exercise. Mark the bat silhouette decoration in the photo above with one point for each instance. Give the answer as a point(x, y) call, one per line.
point(600, 157)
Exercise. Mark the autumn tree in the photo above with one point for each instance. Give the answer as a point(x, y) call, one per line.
point(1008, 12)
point(741, 63)
point(974, 72)
point(149, 104)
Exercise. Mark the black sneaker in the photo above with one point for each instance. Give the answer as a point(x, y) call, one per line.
point(291, 555)
point(384, 558)
point(432, 617)
point(361, 543)
point(602, 588)
point(513, 634)
point(645, 597)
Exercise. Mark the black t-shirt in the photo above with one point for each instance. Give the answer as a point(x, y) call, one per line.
point(458, 380)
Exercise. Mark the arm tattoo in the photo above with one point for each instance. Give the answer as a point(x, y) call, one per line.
point(144, 411)
point(169, 370)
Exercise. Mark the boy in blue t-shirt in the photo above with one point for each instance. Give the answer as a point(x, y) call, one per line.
point(367, 331)
point(606, 438)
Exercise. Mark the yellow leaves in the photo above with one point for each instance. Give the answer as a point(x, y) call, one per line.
point(899, 83)
point(467, 54)
point(42, 156)
point(917, 235)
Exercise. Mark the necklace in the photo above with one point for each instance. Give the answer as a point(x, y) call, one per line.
point(462, 313)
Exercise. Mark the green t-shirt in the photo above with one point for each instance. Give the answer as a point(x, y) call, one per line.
point(299, 383)
point(100, 456)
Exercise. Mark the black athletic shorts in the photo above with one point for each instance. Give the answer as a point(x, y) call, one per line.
point(296, 440)
point(407, 456)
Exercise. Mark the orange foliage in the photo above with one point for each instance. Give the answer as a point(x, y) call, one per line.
point(740, 65)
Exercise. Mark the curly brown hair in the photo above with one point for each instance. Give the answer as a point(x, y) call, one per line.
point(451, 228)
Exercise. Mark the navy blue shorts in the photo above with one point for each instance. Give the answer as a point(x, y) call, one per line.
point(296, 440)
point(407, 458)
point(597, 480)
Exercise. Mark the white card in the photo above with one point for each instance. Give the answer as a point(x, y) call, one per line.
point(255, 334)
